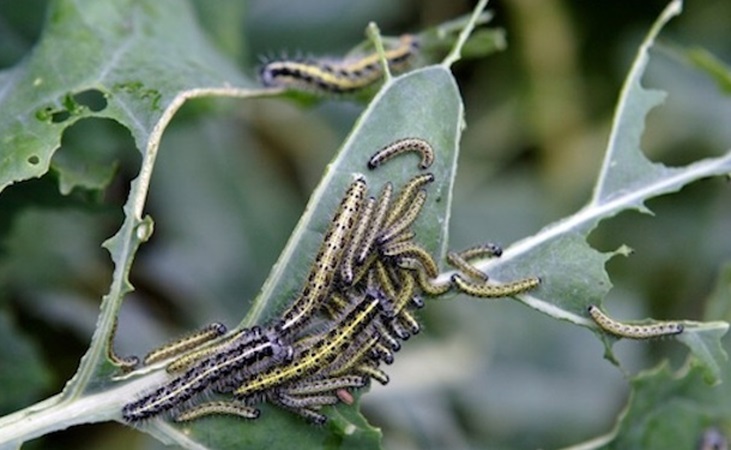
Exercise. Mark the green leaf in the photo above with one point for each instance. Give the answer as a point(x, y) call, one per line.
point(117, 52)
point(120, 54)
point(668, 410)
point(672, 410)
point(704, 342)
point(572, 272)
point(425, 103)
point(120, 51)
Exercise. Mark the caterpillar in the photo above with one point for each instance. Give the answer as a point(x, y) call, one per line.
point(179, 346)
point(406, 291)
point(125, 363)
point(430, 286)
point(630, 331)
point(305, 396)
point(320, 392)
point(323, 76)
point(413, 251)
point(487, 249)
point(327, 260)
point(304, 406)
point(459, 263)
point(386, 337)
point(238, 356)
point(488, 290)
point(376, 222)
point(218, 407)
point(186, 360)
point(319, 386)
point(306, 402)
point(406, 198)
point(300, 367)
point(374, 372)
point(401, 146)
point(306, 382)
point(346, 269)
point(357, 353)
point(401, 223)
point(317, 352)
point(460, 260)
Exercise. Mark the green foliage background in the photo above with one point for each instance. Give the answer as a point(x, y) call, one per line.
point(233, 176)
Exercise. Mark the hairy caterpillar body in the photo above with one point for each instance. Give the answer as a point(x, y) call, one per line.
point(328, 76)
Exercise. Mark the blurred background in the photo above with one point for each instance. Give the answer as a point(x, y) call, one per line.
point(230, 185)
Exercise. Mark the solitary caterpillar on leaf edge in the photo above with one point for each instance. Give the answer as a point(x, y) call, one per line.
point(620, 329)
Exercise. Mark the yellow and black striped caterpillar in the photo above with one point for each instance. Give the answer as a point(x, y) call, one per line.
point(633, 331)
point(366, 282)
point(334, 76)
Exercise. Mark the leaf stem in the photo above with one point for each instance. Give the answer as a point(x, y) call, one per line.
point(456, 52)
point(60, 412)
point(374, 34)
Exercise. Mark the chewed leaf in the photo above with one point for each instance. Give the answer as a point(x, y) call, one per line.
point(625, 168)
point(704, 341)
point(122, 57)
point(667, 410)
point(424, 103)
point(627, 177)
point(573, 273)
point(674, 409)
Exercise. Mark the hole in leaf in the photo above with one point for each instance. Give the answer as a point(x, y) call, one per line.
point(44, 114)
point(92, 151)
point(60, 116)
point(93, 99)
point(34, 160)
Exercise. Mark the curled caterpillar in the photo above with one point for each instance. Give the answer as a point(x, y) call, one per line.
point(401, 146)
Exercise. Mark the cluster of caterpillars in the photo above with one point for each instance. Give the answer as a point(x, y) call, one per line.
point(355, 309)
